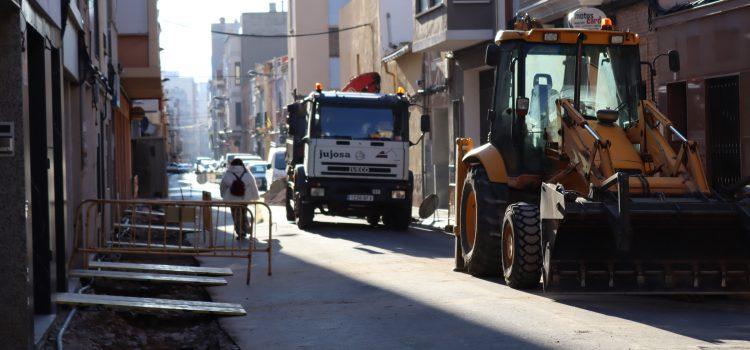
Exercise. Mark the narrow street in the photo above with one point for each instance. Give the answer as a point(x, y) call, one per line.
point(346, 285)
point(520, 174)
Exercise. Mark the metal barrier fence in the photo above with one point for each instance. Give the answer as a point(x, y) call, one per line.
point(171, 227)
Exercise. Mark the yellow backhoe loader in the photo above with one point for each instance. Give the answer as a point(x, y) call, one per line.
point(584, 184)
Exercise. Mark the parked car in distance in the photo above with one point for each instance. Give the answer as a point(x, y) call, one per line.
point(179, 168)
point(204, 165)
point(258, 169)
point(173, 168)
point(244, 156)
point(184, 168)
point(276, 165)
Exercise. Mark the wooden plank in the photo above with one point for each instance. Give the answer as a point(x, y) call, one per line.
point(150, 304)
point(156, 246)
point(149, 277)
point(157, 227)
point(175, 269)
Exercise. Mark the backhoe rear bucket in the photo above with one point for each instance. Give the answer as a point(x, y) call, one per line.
point(650, 245)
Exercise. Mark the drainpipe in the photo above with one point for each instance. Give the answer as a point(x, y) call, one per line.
point(393, 75)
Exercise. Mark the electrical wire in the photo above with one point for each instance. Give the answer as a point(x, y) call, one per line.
point(337, 30)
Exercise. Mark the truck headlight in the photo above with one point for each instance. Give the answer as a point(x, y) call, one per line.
point(398, 194)
point(317, 192)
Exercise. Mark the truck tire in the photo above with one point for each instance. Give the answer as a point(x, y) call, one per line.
point(482, 206)
point(305, 214)
point(288, 203)
point(373, 219)
point(522, 246)
point(398, 219)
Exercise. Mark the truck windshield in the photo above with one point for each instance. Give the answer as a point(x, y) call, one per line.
point(357, 123)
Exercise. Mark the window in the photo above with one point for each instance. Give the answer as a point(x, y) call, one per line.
point(424, 5)
point(237, 73)
point(333, 42)
point(238, 114)
point(94, 21)
point(258, 169)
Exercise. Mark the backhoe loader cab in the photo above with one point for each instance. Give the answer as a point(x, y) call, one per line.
point(578, 183)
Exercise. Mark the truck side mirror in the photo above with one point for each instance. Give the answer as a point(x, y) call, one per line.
point(424, 123)
point(492, 55)
point(674, 61)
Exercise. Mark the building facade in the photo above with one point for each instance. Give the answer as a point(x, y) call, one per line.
point(225, 55)
point(263, 39)
point(314, 58)
point(66, 137)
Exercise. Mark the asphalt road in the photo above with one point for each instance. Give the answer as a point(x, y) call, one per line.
point(345, 285)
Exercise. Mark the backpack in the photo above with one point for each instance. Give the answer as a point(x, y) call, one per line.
point(238, 187)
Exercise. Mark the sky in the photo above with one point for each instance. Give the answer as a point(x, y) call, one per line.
point(186, 31)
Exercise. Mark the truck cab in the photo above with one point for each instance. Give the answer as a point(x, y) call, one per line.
point(348, 156)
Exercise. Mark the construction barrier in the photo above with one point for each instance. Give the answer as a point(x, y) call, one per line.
point(171, 227)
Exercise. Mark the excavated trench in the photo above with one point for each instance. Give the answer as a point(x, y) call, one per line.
point(94, 327)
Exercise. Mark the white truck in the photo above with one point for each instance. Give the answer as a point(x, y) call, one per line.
point(348, 155)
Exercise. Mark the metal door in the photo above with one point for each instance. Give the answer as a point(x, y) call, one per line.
point(723, 120)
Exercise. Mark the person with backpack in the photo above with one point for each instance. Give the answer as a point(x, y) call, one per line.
point(238, 184)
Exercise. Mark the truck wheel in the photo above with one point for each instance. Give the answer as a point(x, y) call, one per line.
point(522, 247)
point(373, 219)
point(288, 202)
point(398, 219)
point(305, 214)
point(482, 206)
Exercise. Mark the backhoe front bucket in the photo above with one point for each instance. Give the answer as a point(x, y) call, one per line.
point(654, 245)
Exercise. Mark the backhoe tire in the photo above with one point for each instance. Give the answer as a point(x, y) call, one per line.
point(458, 258)
point(522, 246)
point(482, 207)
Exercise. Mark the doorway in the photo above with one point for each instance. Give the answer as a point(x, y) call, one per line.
point(723, 122)
point(39, 165)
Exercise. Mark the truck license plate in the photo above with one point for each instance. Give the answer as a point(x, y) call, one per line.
point(360, 198)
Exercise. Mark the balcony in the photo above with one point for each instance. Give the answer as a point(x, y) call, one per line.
point(451, 25)
point(138, 47)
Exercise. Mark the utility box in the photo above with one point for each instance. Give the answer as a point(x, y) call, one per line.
point(150, 165)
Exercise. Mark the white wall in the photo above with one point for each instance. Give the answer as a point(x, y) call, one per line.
point(472, 114)
point(401, 23)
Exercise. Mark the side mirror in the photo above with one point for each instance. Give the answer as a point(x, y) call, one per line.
point(424, 123)
point(492, 55)
point(674, 60)
point(268, 166)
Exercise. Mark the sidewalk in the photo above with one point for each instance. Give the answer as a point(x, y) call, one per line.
point(437, 221)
